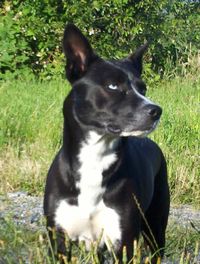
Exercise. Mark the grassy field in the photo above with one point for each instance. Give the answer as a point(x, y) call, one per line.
point(31, 127)
point(31, 133)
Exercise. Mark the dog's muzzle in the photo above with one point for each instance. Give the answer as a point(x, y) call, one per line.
point(154, 111)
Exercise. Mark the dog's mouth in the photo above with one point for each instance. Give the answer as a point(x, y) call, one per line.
point(140, 132)
point(116, 130)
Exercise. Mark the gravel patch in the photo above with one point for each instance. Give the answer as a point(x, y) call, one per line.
point(185, 216)
point(27, 210)
point(23, 209)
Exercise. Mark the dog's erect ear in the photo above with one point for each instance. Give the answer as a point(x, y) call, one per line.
point(136, 58)
point(78, 52)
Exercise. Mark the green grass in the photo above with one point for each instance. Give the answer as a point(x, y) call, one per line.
point(19, 245)
point(179, 136)
point(31, 133)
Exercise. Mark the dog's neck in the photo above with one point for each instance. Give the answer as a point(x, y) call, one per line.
point(90, 156)
point(98, 151)
point(87, 145)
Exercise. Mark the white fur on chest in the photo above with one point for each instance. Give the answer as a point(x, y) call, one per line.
point(87, 220)
point(103, 222)
point(95, 156)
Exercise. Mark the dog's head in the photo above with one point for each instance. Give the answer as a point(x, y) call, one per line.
point(108, 95)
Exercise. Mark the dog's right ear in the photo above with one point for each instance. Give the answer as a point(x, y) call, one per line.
point(78, 52)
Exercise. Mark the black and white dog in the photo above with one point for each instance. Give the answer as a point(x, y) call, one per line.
point(107, 179)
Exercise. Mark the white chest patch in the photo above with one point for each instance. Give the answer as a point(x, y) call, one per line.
point(79, 224)
point(91, 217)
point(95, 156)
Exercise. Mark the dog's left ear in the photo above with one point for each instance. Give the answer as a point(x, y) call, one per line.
point(78, 52)
point(136, 58)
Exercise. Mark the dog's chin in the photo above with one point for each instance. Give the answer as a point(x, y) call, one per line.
point(139, 133)
point(136, 133)
point(130, 132)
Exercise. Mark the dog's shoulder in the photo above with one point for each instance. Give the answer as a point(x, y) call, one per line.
point(143, 144)
point(142, 153)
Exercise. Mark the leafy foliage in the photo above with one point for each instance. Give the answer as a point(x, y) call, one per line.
point(31, 32)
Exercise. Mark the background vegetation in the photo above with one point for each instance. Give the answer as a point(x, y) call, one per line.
point(32, 91)
point(31, 32)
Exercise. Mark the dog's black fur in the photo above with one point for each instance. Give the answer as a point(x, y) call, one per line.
point(107, 98)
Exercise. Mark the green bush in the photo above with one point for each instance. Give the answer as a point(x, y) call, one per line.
point(30, 36)
point(31, 32)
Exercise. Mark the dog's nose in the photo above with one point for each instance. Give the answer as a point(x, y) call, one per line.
point(154, 111)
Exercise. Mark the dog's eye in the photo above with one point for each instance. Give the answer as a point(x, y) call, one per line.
point(112, 86)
